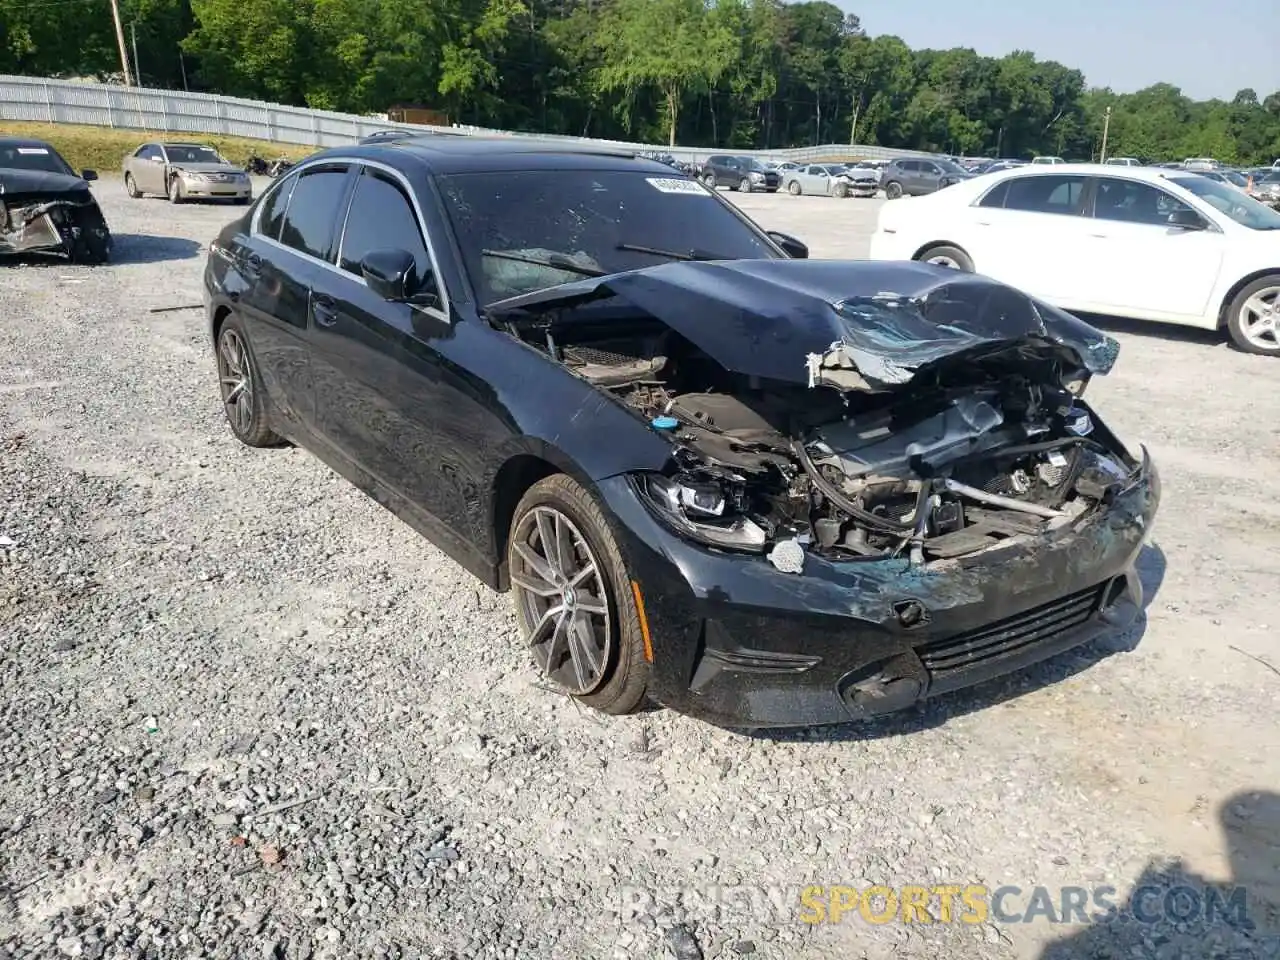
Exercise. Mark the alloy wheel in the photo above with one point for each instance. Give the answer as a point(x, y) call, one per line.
point(561, 587)
point(1260, 318)
point(943, 261)
point(236, 381)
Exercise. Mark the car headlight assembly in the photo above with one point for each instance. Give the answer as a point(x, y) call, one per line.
point(705, 512)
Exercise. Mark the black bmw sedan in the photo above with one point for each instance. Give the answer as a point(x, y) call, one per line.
point(761, 489)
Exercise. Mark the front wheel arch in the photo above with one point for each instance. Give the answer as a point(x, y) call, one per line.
point(1224, 308)
point(512, 482)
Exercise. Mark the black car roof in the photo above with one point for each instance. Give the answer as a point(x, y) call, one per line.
point(25, 142)
point(445, 155)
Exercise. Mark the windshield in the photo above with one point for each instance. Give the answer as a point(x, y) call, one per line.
point(182, 153)
point(33, 156)
point(949, 167)
point(1240, 207)
point(520, 231)
point(1236, 179)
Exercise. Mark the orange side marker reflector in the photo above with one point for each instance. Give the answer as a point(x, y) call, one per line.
point(644, 622)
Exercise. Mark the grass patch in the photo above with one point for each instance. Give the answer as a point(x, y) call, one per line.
point(104, 148)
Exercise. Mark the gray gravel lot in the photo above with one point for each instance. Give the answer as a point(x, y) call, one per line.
point(247, 713)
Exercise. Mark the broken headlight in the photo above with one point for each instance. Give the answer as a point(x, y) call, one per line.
point(701, 511)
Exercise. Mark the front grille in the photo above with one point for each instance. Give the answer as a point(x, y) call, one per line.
point(1012, 634)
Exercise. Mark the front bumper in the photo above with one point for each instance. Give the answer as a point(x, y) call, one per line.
point(209, 190)
point(738, 643)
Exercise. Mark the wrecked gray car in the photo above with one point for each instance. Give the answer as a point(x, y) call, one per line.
point(46, 207)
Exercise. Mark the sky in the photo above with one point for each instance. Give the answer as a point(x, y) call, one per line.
point(1206, 49)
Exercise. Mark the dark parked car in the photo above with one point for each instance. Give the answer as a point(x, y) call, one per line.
point(745, 174)
point(760, 489)
point(46, 207)
point(916, 176)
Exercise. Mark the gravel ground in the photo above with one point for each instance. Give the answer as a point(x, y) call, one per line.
point(247, 713)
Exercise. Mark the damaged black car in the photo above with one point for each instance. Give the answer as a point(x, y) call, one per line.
point(46, 207)
point(757, 488)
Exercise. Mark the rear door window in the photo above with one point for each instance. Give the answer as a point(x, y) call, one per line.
point(310, 223)
point(1045, 194)
point(273, 209)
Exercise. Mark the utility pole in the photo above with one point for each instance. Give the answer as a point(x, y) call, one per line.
point(124, 55)
point(133, 36)
point(182, 64)
point(1106, 128)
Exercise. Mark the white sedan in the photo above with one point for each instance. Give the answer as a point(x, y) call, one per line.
point(1166, 245)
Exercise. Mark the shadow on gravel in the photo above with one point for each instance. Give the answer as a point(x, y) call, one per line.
point(142, 248)
point(1151, 566)
point(1172, 911)
point(126, 248)
point(1162, 331)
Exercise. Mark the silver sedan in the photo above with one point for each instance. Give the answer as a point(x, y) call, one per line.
point(185, 171)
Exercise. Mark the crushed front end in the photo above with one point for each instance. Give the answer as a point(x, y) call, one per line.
point(67, 223)
point(926, 503)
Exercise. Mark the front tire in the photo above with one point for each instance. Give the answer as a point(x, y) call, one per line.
point(130, 187)
point(175, 190)
point(243, 399)
point(892, 190)
point(744, 185)
point(945, 255)
point(794, 188)
point(573, 597)
point(1253, 318)
point(709, 180)
point(842, 190)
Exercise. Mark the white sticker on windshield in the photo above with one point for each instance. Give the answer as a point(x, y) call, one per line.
point(39, 151)
point(672, 185)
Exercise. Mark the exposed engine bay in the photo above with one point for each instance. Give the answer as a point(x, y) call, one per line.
point(972, 455)
point(65, 224)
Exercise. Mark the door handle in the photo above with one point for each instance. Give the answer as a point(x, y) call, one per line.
point(1099, 236)
point(325, 309)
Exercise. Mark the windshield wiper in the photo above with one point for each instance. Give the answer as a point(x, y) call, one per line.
point(555, 262)
point(669, 254)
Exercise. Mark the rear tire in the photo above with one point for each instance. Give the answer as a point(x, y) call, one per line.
point(1253, 318)
point(945, 255)
point(893, 190)
point(561, 509)
point(240, 386)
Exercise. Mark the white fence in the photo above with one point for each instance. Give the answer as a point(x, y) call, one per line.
point(170, 111)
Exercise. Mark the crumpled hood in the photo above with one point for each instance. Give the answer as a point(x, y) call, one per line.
point(38, 182)
point(851, 324)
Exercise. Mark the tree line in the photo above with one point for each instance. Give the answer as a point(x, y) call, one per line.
point(723, 74)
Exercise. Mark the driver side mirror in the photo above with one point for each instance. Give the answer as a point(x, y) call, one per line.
point(1186, 219)
point(88, 175)
point(792, 247)
point(390, 275)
